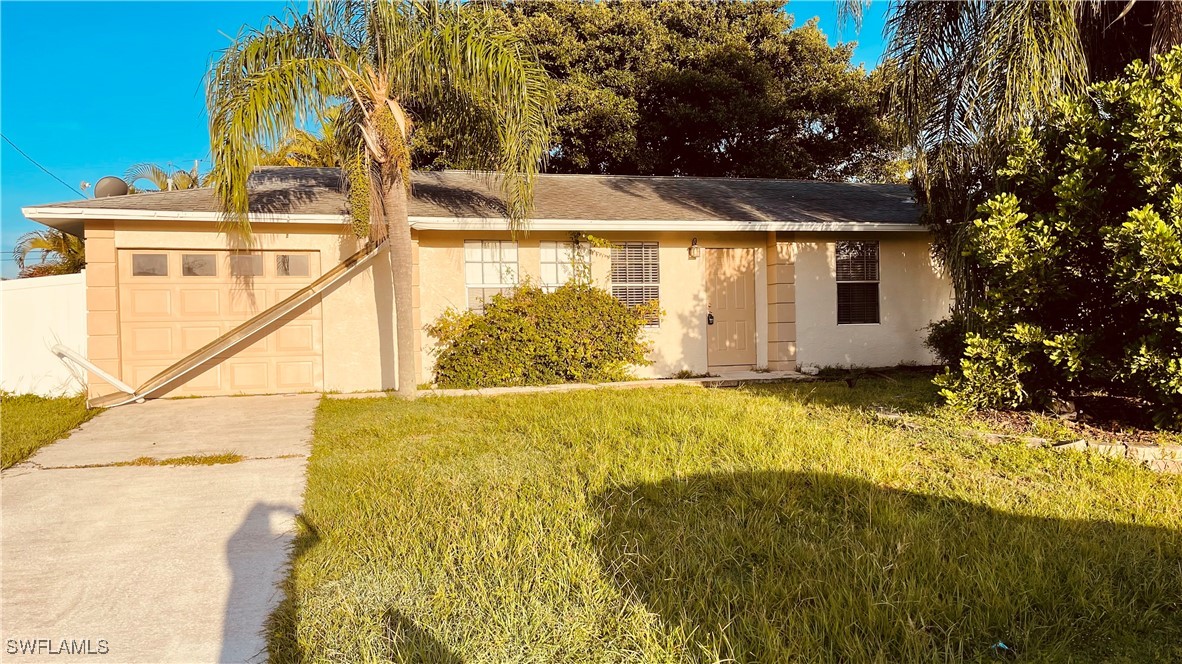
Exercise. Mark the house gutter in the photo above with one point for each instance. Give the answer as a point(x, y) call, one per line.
point(49, 215)
point(66, 353)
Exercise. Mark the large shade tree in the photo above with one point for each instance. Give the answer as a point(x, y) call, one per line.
point(970, 74)
point(731, 89)
point(391, 67)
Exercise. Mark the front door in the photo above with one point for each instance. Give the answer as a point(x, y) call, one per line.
point(730, 290)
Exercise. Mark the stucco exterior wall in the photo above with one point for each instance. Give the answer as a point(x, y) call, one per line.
point(679, 342)
point(357, 316)
point(795, 295)
point(913, 292)
point(35, 315)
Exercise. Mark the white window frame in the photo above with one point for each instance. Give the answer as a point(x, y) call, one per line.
point(560, 262)
point(876, 281)
point(490, 266)
point(632, 273)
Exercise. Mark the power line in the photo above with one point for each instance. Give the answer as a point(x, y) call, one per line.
point(34, 162)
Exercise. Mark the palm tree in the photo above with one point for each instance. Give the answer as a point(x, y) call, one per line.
point(163, 179)
point(390, 65)
point(304, 148)
point(966, 75)
point(61, 253)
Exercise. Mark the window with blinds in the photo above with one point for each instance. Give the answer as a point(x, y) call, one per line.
point(857, 283)
point(636, 274)
point(490, 268)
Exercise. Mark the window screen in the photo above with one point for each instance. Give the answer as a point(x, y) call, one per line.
point(291, 265)
point(246, 265)
point(199, 265)
point(636, 274)
point(490, 267)
point(857, 283)
point(149, 265)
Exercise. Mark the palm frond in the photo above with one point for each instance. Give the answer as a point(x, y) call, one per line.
point(375, 65)
point(489, 95)
point(60, 253)
point(264, 87)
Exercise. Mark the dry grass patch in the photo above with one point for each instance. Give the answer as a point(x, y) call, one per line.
point(190, 460)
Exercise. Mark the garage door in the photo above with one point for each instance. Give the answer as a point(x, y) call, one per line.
point(172, 303)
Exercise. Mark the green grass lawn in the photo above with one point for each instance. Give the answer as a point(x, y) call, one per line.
point(29, 422)
point(779, 523)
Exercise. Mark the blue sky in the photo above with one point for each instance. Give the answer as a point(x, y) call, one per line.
point(89, 88)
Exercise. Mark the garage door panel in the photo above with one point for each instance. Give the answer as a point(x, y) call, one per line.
point(199, 303)
point(245, 303)
point(164, 317)
point(143, 372)
point(150, 303)
point(296, 374)
point(246, 376)
point(295, 337)
point(152, 340)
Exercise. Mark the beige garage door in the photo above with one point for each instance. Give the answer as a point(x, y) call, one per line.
point(172, 303)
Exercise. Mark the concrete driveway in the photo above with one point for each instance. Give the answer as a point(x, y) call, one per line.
point(154, 563)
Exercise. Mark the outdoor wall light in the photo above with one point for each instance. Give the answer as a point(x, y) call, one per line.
point(694, 250)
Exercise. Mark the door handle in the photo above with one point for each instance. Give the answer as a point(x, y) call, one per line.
point(709, 319)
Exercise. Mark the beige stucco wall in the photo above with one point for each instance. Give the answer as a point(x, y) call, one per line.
point(795, 295)
point(357, 316)
point(679, 343)
point(913, 292)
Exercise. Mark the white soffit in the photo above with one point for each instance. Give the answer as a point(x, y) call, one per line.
point(55, 216)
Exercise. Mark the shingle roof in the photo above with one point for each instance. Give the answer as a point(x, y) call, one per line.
point(452, 194)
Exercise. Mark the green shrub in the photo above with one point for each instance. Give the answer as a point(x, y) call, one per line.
point(577, 333)
point(1081, 253)
point(946, 338)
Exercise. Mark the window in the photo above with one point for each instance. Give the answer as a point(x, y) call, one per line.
point(199, 265)
point(490, 267)
point(636, 274)
point(149, 265)
point(857, 283)
point(560, 262)
point(291, 265)
point(246, 265)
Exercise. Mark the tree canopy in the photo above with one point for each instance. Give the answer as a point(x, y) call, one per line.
point(699, 88)
point(1080, 252)
point(968, 75)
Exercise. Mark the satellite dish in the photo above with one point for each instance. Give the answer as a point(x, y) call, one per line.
point(110, 186)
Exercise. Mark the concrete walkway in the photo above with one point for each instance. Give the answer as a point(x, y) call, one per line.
point(154, 563)
point(729, 379)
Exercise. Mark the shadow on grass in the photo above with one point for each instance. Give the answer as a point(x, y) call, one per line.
point(408, 642)
point(405, 640)
point(777, 566)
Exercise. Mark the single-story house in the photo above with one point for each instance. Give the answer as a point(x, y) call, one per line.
point(749, 274)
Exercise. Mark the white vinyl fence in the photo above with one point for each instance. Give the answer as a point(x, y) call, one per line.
point(35, 315)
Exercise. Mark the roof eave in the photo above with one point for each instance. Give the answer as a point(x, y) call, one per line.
point(51, 216)
point(71, 221)
point(720, 225)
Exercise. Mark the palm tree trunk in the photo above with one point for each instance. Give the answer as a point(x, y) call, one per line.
point(394, 204)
